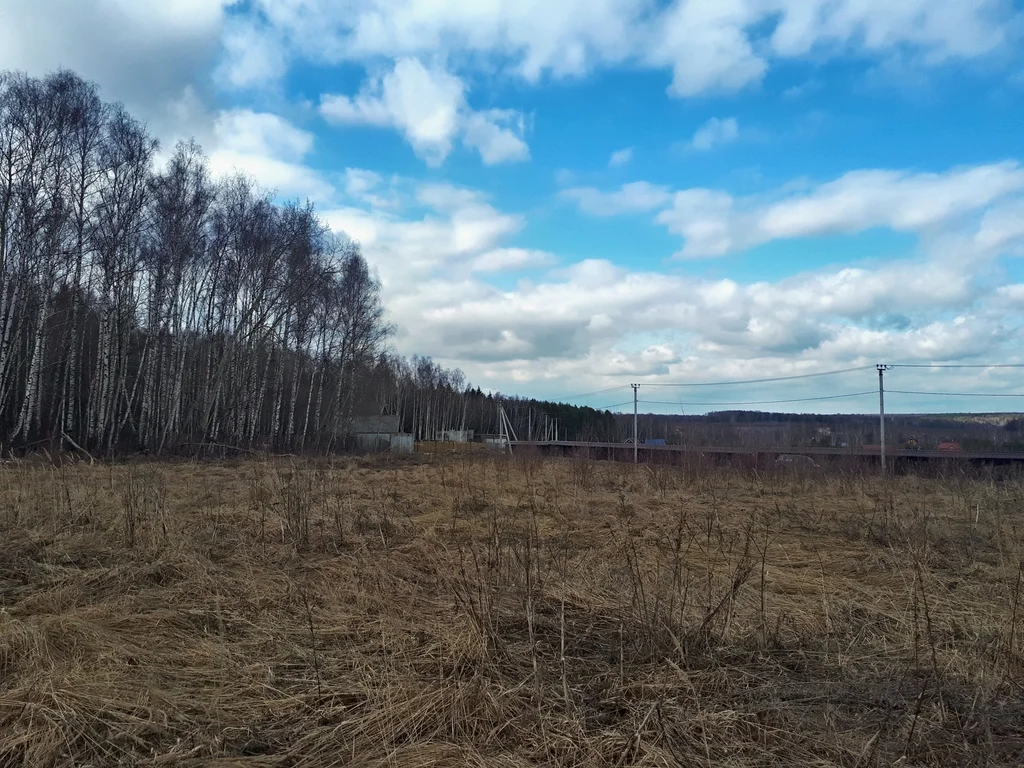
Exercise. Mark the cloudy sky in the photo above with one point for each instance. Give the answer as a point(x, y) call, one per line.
point(563, 196)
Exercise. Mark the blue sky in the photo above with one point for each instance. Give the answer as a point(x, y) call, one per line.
point(568, 197)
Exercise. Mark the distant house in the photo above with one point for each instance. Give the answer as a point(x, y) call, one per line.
point(912, 443)
point(949, 445)
point(374, 425)
point(654, 441)
point(380, 434)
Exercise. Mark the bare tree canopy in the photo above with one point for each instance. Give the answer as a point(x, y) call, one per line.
point(146, 309)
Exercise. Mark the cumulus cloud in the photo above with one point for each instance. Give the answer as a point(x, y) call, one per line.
point(457, 232)
point(597, 320)
point(714, 133)
point(620, 158)
point(269, 149)
point(360, 182)
point(1002, 228)
point(714, 223)
point(252, 55)
point(583, 325)
point(707, 46)
point(509, 259)
point(580, 310)
point(592, 321)
point(903, 201)
point(428, 105)
point(705, 219)
point(497, 135)
point(635, 197)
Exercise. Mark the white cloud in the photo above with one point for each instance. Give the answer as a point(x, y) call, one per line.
point(459, 232)
point(705, 219)
point(715, 132)
point(360, 182)
point(263, 133)
point(635, 197)
point(534, 37)
point(1003, 229)
point(582, 312)
point(714, 223)
point(252, 55)
point(506, 259)
point(270, 150)
point(620, 158)
point(423, 103)
point(584, 325)
point(487, 133)
point(707, 45)
point(903, 201)
point(940, 30)
point(428, 105)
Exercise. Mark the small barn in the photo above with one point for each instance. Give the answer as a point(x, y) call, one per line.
point(380, 434)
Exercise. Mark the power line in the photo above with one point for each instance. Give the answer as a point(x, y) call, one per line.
point(598, 392)
point(795, 377)
point(763, 402)
point(760, 381)
point(952, 365)
point(952, 394)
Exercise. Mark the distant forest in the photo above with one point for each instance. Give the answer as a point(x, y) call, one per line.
point(160, 310)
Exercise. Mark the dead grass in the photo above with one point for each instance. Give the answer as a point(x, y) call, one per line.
point(469, 610)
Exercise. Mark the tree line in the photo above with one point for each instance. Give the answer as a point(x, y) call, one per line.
point(150, 307)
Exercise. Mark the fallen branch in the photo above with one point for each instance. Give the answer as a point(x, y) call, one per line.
point(77, 447)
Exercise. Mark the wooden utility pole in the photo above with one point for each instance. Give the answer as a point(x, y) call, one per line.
point(881, 411)
point(636, 448)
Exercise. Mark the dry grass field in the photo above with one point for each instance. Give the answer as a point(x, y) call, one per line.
point(471, 610)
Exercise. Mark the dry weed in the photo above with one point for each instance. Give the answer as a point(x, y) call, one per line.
point(484, 611)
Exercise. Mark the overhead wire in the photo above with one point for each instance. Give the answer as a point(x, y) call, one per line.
point(952, 394)
point(763, 402)
point(759, 381)
point(598, 392)
point(794, 377)
point(956, 365)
